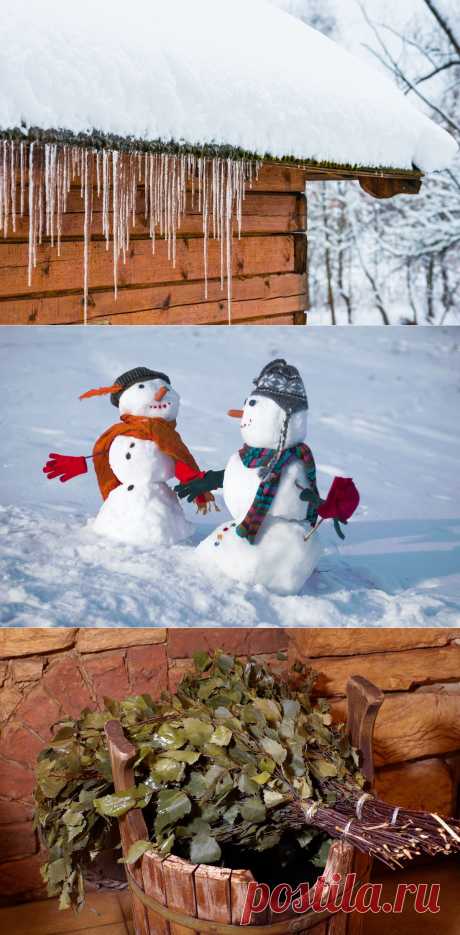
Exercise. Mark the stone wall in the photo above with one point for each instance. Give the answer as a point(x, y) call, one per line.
point(47, 673)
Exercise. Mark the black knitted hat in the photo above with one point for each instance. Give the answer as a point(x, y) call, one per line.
point(137, 375)
point(283, 383)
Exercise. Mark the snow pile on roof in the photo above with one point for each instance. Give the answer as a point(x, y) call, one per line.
point(228, 72)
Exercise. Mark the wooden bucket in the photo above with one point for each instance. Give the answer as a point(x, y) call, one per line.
point(171, 896)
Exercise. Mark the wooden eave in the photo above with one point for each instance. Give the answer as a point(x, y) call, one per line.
point(380, 183)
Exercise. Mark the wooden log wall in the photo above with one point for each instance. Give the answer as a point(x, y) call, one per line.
point(269, 267)
point(417, 734)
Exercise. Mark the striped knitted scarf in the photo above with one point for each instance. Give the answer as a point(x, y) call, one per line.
point(260, 458)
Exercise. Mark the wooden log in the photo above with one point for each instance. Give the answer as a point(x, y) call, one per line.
point(335, 641)
point(165, 303)
point(277, 177)
point(413, 725)
point(292, 177)
point(262, 213)
point(426, 785)
point(214, 313)
point(273, 320)
point(388, 188)
point(35, 640)
point(394, 671)
point(417, 725)
point(251, 256)
point(300, 254)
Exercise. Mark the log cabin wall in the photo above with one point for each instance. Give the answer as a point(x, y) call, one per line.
point(269, 267)
point(45, 673)
point(417, 732)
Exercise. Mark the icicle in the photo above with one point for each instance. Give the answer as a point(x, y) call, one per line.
point(221, 226)
point(170, 184)
point(2, 183)
point(115, 222)
point(59, 197)
point(5, 187)
point(21, 159)
point(146, 186)
point(105, 197)
point(13, 183)
point(229, 237)
point(87, 190)
point(31, 212)
point(204, 202)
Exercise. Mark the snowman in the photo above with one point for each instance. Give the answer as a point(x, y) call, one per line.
point(269, 487)
point(134, 460)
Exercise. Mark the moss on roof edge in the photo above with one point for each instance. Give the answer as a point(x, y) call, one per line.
point(101, 141)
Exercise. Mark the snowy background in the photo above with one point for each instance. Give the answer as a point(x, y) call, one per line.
point(383, 409)
point(396, 261)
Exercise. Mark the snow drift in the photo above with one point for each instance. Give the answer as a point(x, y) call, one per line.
point(210, 72)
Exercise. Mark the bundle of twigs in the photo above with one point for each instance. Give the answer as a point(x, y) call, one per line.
point(393, 835)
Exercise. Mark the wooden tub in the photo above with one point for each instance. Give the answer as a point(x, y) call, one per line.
point(171, 896)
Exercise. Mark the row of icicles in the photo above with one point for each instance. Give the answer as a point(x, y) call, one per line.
point(39, 176)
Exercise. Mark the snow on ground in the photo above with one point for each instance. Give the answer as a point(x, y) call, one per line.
point(383, 409)
point(213, 71)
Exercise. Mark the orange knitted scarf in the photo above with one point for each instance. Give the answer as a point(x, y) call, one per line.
point(156, 430)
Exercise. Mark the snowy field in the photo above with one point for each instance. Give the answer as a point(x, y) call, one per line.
point(383, 409)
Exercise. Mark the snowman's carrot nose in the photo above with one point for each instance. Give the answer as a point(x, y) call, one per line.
point(235, 413)
point(160, 393)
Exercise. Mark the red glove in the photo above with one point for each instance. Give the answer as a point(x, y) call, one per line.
point(64, 466)
point(185, 473)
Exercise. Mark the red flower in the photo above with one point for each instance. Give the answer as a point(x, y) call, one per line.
point(341, 501)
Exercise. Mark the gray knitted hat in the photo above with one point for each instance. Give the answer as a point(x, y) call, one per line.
point(283, 383)
point(135, 376)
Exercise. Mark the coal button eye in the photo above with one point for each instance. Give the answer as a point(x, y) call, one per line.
point(132, 444)
point(131, 487)
point(127, 455)
point(252, 402)
point(141, 386)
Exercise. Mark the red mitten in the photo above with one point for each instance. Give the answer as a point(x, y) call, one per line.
point(64, 466)
point(341, 501)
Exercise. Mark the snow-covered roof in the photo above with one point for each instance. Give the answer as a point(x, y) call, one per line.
point(238, 73)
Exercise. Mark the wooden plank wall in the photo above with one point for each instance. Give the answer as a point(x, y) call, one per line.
point(269, 267)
